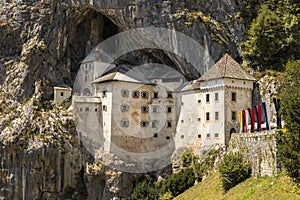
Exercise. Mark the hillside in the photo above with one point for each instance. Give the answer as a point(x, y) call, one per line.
point(280, 187)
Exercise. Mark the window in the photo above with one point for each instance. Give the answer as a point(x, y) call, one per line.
point(182, 121)
point(207, 116)
point(104, 93)
point(154, 123)
point(169, 124)
point(155, 95)
point(145, 109)
point(87, 109)
point(167, 137)
point(124, 93)
point(199, 136)
point(169, 109)
point(216, 135)
point(85, 78)
point(182, 136)
point(216, 96)
point(62, 94)
point(144, 123)
point(169, 95)
point(233, 115)
point(125, 123)
point(80, 109)
point(199, 101)
point(199, 119)
point(144, 95)
point(155, 109)
point(104, 108)
point(135, 94)
point(207, 98)
point(96, 109)
point(124, 107)
point(208, 135)
point(216, 115)
point(155, 135)
point(233, 96)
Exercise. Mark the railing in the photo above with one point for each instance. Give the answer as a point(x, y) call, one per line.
point(256, 136)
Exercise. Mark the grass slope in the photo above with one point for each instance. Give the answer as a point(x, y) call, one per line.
point(268, 188)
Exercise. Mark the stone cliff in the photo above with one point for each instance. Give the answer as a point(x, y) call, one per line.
point(42, 43)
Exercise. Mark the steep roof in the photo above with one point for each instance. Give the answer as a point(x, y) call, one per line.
point(115, 76)
point(226, 67)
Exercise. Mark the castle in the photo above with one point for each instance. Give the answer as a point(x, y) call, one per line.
point(152, 120)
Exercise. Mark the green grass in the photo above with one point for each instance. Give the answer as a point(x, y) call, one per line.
point(262, 188)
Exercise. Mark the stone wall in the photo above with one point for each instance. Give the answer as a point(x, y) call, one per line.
point(259, 148)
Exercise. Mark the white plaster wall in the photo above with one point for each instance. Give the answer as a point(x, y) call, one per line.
point(57, 94)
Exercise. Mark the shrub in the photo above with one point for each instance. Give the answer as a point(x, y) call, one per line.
point(234, 169)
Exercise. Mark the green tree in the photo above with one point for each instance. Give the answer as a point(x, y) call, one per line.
point(146, 189)
point(289, 140)
point(273, 37)
point(234, 169)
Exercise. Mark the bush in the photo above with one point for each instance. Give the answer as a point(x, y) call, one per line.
point(234, 169)
point(145, 189)
point(178, 182)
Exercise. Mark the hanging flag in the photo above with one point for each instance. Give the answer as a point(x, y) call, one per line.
point(240, 115)
point(252, 120)
point(266, 109)
point(259, 118)
point(244, 121)
point(277, 108)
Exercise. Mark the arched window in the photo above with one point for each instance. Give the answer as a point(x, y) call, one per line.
point(144, 123)
point(124, 123)
point(144, 95)
point(124, 108)
point(86, 92)
point(145, 109)
point(135, 94)
point(124, 93)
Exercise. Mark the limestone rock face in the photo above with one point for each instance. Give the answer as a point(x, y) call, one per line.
point(42, 43)
point(47, 39)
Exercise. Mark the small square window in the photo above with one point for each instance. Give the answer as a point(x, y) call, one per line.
point(199, 136)
point(216, 135)
point(169, 124)
point(104, 108)
point(233, 96)
point(155, 109)
point(216, 96)
point(85, 78)
point(154, 123)
point(80, 109)
point(135, 94)
point(87, 109)
point(208, 135)
point(103, 93)
point(144, 123)
point(145, 109)
point(62, 94)
point(168, 137)
point(169, 95)
point(155, 95)
point(144, 95)
point(125, 123)
point(199, 101)
point(216, 115)
point(124, 93)
point(207, 116)
point(124, 108)
point(199, 119)
point(182, 121)
point(155, 135)
point(207, 98)
point(169, 109)
point(96, 109)
point(233, 115)
point(182, 136)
